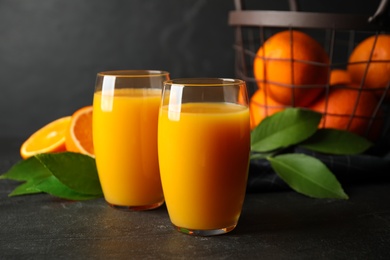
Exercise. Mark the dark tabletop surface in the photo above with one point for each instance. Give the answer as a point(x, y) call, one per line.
point(273, 225)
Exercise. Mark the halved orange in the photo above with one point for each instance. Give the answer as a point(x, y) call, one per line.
point(49, 138)
point(79, 134)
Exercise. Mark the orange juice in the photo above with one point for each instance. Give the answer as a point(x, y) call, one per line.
point(125, 143)
point(204, 158)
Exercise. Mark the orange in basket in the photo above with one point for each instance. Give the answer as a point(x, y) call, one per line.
point(340, 77)
point(79, 134)
point(346, 109)
point(261, 106)
point(378, 72)
point(292, 58)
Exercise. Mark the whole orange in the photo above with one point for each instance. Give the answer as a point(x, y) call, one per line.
point(262, 105)
point(340, 77)
point(346, 109)
point(293, 67)
point(378, 68)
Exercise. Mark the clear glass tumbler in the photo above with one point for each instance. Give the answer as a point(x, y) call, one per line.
point(125, 114)
point(203, 149)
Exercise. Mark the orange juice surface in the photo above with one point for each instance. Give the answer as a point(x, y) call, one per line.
point(204, 158)
point(125, 143)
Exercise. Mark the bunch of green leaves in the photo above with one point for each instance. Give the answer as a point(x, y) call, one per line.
point(65, 175)
point(303, 173)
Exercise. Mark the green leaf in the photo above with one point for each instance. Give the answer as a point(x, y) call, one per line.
point(29, 170)
point(53, 186)
point(255, 156)
point(65, 175)
point(25, 189)
point(75, 170)
point(307, 175)
point(285, 128)
point(332, 141)
point(26, 170)
point(50, 185)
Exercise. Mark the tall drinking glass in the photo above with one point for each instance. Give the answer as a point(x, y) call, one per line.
point(125, 115)
point(203, 149)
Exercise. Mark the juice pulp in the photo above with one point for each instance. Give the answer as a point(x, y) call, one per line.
point(204, 158)
point(125, 143)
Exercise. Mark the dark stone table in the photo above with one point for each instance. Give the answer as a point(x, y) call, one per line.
point(273, 225)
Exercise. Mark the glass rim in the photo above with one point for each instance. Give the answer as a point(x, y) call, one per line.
point(134, 73)
point(204, 82)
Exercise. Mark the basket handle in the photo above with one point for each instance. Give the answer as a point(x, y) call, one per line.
point(378, 15)
point(292, 3)
point(380, 12)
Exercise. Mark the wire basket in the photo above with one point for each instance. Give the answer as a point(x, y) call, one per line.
point(338, 34)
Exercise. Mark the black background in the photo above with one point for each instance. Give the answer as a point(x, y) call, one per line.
point(51, 50)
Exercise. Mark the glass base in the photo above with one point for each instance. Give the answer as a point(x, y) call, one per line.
point(204, 232)
point(136, 208)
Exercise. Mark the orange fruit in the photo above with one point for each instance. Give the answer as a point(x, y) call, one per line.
point(345, 109)
point(378, 71)
point(340, 77)
point(49, 138)
point(262, 105)
point(293, 67)
point(79, 134)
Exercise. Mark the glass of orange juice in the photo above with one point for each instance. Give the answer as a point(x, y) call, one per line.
point(203, 150)
point(125, 114)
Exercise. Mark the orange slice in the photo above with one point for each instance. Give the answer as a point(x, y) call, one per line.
point(49, 138)
point(79, 134)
